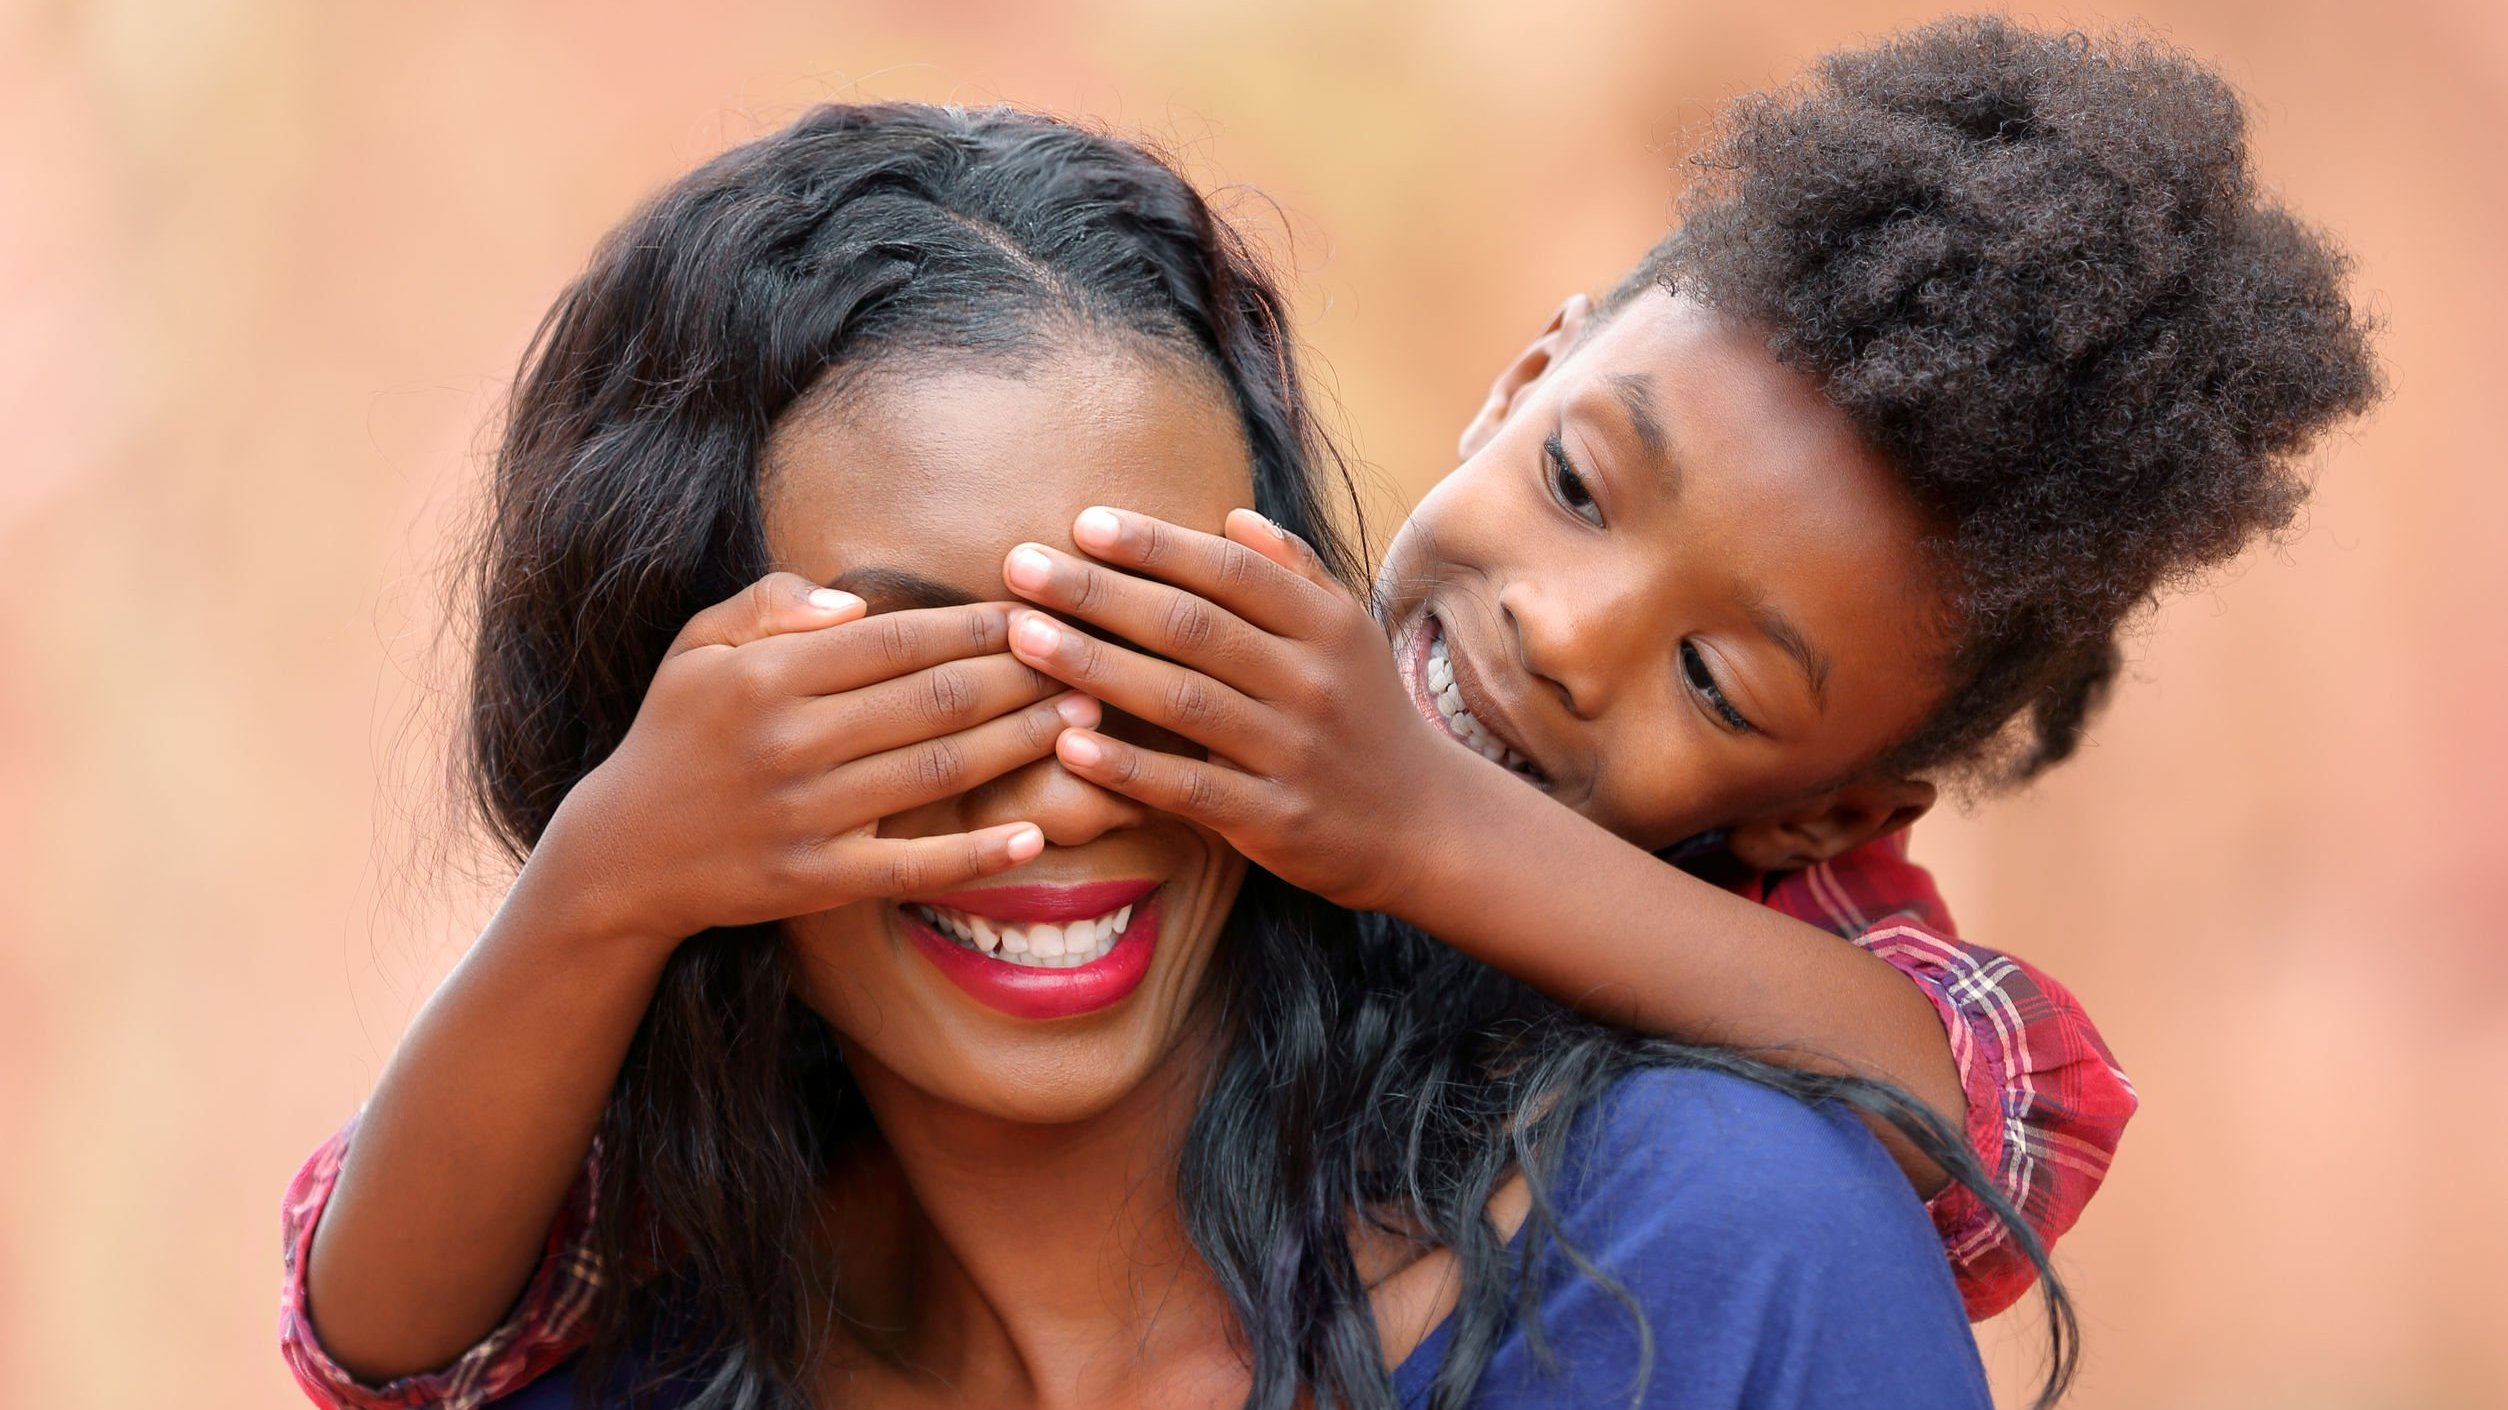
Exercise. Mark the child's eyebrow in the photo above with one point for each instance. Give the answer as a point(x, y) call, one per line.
point(895, 587)
point(1781, 630)
point(1637, 394)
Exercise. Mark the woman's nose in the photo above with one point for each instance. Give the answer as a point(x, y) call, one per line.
point(1069, 810)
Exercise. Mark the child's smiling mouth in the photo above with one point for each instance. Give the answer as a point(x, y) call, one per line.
point(1444, 696)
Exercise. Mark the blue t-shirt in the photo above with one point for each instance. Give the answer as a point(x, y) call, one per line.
point(1781, 1261)
point(1779, 1256)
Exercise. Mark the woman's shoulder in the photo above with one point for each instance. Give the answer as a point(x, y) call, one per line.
point(1753, 1249)
point(1703, 1135)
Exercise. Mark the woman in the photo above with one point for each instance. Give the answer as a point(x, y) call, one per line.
point(1126, 1124)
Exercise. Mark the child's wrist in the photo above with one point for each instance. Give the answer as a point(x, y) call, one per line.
point(1427, 862)
point(564, 906)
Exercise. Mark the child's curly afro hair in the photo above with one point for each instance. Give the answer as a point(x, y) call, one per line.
point(2036, 271)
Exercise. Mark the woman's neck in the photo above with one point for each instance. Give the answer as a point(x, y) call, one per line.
point(1022, 1264)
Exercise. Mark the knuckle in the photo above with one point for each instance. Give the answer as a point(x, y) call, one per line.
point(1086, 657)
point(1087, 591)
point(1199, 792)
point(948, 697)
point(1154, 542)
point(894, 640)
point(1235, 568)
point(939, 766)
point(1189, 702)
point(750, 677)
point(773, 748)
point(1037, 731)
point(795, 866)
point(1189, 624)
point(903, 871)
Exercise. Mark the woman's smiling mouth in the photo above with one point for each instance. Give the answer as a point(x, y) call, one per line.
point(1041, 951)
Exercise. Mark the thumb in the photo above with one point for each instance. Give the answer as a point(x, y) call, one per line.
point(771, 606)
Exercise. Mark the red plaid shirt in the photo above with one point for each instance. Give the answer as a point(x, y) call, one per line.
point(2046, 1104)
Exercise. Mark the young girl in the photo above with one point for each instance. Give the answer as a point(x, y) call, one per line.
point(1962, 352)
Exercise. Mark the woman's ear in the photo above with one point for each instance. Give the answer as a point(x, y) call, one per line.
point(1830, 823)
point(1538, 357)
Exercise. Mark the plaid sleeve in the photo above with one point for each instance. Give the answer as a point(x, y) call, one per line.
point(546, 1326)
point(2046, 1100)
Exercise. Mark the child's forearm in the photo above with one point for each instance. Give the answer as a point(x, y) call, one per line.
point(479, 1126)
point(1528, 886)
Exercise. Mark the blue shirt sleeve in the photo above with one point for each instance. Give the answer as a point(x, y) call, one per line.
point(1777, 1256)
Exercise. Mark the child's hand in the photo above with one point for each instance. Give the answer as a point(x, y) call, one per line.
point(780, 728)
point(1317, 757)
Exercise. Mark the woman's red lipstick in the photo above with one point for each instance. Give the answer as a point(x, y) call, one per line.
point(1032, 991)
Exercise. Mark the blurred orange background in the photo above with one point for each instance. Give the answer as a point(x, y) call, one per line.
point(264, 271)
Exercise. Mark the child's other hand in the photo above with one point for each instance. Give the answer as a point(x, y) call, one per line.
point(782, 725)
point(1318, 760)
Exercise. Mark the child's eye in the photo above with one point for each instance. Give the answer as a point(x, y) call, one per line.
point(1566, 485)
point(1702, 680)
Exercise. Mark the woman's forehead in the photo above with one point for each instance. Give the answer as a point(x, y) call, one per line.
point(940, 470)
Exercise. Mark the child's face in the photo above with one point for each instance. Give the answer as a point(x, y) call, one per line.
point(1672, 585)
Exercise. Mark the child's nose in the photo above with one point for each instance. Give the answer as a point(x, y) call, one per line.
point(1561, 645)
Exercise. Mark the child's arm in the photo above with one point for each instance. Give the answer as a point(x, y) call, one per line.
point(546, 1324)
point(2046, 1100)
point(777, 732)
point(1325, 774)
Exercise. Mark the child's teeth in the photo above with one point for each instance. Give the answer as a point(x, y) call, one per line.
point(1039, 945)
point(1466, 726)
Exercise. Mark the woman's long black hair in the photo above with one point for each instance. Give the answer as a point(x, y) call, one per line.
point(1365, 1069)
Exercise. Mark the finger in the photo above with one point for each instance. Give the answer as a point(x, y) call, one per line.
point(1265, 536)
point(1213, 795)
point(906, 866)
point(884, 647)
point(1168, 621)
point(942, 699)
point(1175, 698)
point(933, 769)
point(1235, 577)
point(771, 606)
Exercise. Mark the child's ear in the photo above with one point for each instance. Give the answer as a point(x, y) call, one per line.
point(1537, 358)
point(1826, 824)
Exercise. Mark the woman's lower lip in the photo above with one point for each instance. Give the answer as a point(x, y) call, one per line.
point(1025, 991)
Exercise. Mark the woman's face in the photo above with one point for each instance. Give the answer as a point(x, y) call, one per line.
point(909, 486)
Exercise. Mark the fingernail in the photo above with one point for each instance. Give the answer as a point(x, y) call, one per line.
point(1266, 521)
point(1096, 528)
point(1081, 750)
point(1025, 844)
point(1030, 568)
point(830, 600)
point(1036, 636)
point(1077, 711)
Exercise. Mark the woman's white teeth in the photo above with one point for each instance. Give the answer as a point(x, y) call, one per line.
point(1041, 945)
point(1465, 725)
